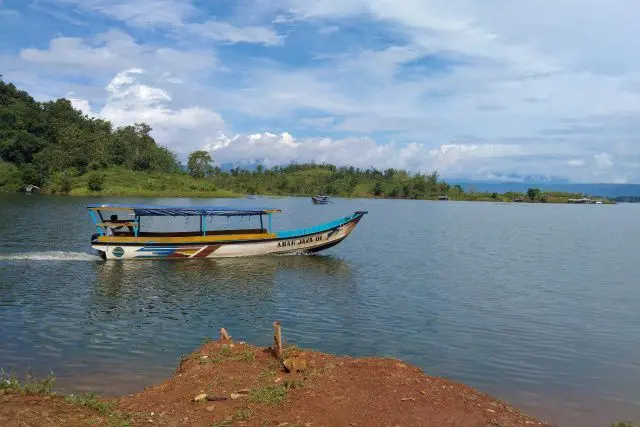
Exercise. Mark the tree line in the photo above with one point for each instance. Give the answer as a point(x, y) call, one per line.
point(312, 178)
point(41, 142)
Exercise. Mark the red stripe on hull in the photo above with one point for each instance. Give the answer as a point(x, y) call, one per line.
point(208, 250)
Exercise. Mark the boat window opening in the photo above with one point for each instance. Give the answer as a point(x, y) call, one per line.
point(163, 221)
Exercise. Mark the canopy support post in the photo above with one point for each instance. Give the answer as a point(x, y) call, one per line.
point(269, 223)
point(95, 221)
point(261, 224)
point(136, 227)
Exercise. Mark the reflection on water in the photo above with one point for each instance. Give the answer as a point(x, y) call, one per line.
point(535, 304)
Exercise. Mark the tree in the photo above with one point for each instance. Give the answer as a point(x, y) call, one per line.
point(199, 164)
point(95, 181)
point(377, 189)
point(533, 193)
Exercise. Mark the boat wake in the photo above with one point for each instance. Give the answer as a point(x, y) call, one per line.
point(50, 256)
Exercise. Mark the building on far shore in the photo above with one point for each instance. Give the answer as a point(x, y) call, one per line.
point(585, 201)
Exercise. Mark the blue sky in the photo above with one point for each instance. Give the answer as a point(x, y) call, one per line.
point(475, 89)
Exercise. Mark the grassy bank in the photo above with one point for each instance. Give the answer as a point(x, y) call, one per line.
point(125, 182)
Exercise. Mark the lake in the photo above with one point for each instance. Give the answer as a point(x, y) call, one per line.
point(538, 305)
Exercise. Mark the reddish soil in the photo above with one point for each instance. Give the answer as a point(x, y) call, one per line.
point(329, 391)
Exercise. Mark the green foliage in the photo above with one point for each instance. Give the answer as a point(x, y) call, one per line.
point(44, 139)
point(199, 164)
point(242, 414)
point(10, 176)
point(227, 354)
point(271, 394)
point(65, 180)
point(533, 194)
point(110, 410)
point(624, 424)
point(95, 181)
point(9, 384)
point(92, 401)
point(310, 179)
point(377, 189)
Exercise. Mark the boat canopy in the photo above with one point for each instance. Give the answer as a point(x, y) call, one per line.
point(155, 210)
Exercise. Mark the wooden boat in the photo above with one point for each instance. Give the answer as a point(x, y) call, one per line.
point(127, 239)
point(321, 200)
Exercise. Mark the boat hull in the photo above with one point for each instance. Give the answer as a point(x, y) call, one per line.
point(321, 201)
point(310, 241)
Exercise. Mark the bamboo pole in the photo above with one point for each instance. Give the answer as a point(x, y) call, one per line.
point(277, 339)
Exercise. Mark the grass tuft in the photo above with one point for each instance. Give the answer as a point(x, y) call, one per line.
point(267, 374)
point(271, 394)
point(245, 355)
point(92, 401)
point(109, 410)
point(226, 353)
point(242, 414)
point(31, 385)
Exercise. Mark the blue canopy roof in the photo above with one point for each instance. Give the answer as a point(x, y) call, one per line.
point(155, 210)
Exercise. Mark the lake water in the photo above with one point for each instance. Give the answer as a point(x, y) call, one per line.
point(536, 304)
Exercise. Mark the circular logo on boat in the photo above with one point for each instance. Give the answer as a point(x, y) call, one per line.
point(118, 252)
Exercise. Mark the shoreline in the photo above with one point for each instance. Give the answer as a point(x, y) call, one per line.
point(224, 194)
point(227, 383)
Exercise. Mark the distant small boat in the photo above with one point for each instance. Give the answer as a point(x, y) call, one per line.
point(321, 200)
point(123, 238)
point(443, 197)
point(31, 189)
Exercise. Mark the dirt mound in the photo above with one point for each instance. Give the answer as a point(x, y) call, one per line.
point(225, 384)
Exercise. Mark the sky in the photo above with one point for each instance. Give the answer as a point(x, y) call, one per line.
point(484, 89)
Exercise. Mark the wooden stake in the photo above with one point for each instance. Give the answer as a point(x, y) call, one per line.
point(277, 339)
point(224, 335)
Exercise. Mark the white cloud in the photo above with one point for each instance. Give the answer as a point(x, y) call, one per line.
point(80, 104)
point(225, 32)
point(603, 160)
point(141, 13)
point(329, 30)
point(130, 101)
point(115, 50)
point(272, 149)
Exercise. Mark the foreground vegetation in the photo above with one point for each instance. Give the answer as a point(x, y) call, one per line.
point(55, 147)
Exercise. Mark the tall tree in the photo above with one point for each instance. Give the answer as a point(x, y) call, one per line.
point(200, 164)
